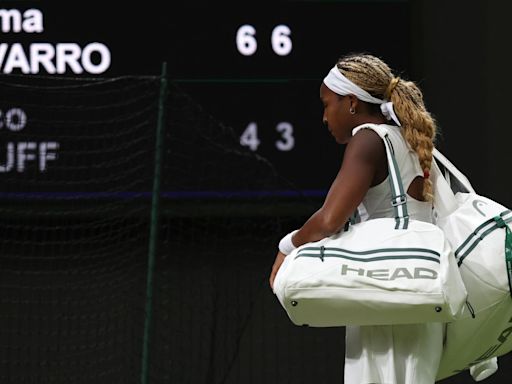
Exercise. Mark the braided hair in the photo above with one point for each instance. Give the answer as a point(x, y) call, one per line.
point(418, 126)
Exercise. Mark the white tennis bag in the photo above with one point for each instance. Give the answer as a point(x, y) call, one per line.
point(477, 229)
point(381, 271)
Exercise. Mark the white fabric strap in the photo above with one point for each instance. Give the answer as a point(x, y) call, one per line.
point(444, 200)
point(398, 195)
point(453, 170)
point(389, 113)
point(342, 86)
point(286, 245)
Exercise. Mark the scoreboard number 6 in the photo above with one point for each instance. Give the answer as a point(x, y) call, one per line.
point(286, 142)
point(245, 40)
point(280, 40)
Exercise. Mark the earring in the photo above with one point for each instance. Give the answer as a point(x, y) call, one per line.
point(352, 111)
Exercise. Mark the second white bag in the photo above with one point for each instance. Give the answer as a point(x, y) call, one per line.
point(477, 228)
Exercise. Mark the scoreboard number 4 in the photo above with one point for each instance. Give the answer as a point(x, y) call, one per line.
point(247, 44)
point(286, 142)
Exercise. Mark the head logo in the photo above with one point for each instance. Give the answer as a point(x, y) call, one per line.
point(477, 204)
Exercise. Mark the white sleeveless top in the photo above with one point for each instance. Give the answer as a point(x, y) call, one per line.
point(394, 354)
point(377, 201)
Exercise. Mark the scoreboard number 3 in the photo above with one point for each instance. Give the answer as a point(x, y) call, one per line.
point(280, 40)
point(286, 142)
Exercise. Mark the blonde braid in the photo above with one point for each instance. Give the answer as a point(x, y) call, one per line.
point(418, 127)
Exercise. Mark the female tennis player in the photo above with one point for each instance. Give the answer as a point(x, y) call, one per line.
point(361, 89)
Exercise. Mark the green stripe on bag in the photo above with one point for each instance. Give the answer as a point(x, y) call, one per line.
point(476, 238)
point(508, 249)
point(478, 229)
point(508, 257)
point(378, 250)
point(368, 259)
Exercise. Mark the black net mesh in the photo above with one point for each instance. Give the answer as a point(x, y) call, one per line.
point(76, 170)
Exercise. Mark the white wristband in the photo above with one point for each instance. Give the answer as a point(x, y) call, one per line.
point(286, 245)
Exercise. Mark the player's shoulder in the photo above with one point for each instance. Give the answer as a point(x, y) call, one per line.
point(366, 144)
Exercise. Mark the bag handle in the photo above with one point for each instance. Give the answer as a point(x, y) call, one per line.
point(444, 199)
point(398, 196)
point(453, 170)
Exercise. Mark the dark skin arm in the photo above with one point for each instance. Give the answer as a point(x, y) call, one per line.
point(364, 165)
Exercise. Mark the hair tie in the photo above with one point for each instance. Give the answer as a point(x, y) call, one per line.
point(426, 173)
point(392, 84)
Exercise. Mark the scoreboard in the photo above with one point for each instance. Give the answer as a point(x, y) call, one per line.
point(256, 67)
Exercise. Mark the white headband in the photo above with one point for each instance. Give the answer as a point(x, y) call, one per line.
point(342, 86)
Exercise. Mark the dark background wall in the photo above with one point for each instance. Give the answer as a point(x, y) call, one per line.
point(215, 318)
point(460, 56)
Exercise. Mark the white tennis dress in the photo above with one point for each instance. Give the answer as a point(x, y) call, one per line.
point(389, 354)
